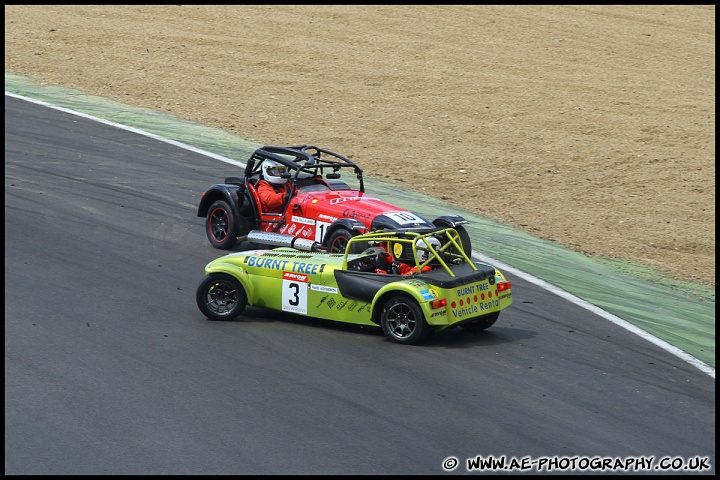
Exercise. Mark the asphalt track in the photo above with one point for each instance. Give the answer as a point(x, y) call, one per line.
point(110, 368)
point(679, 316)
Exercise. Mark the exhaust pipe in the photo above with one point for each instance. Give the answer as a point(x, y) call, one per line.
point(283, 240)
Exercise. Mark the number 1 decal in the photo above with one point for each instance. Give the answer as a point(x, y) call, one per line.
point(294, 292)
point(320, 229)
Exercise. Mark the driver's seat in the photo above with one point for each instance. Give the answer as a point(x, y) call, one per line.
point(266, 221)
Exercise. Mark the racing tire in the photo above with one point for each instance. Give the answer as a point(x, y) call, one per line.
point(337, 243)
point(403, 321)
point(220, 225)
point(464, 237)
point(482, 323)
point(221, 297)
point(465, 240)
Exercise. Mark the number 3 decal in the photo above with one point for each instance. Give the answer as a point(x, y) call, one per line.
point(294, 292)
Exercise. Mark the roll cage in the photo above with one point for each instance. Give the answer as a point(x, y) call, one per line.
point(309, 168)
point(450, 265)
point(304, 162)
point(403, 245)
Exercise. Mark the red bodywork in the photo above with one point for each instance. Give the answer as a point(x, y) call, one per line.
point(311, 213)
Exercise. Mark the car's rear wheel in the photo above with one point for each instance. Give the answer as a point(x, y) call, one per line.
point(221, 297)
point(403, 321)
point(220, 225)
point(482, 323)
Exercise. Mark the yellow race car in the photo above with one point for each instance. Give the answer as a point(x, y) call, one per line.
point(408, 282)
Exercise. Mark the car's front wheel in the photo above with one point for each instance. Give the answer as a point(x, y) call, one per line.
point(338, 240)
point(483, 323)
point(465, 240)
point(403, 321)
point(221, 297)
point(220, 225)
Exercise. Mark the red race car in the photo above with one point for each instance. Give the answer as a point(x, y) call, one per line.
point(321, 204)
